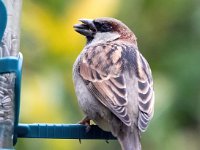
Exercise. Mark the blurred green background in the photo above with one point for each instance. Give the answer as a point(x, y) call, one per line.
point(168, 35)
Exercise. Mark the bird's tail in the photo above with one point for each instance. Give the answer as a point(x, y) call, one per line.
point(130, 139)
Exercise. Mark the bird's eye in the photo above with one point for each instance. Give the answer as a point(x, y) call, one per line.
point(106, 27)
point(103, 27)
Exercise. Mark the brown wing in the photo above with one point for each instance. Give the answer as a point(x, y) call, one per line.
point(101, 69)
point(145, 93)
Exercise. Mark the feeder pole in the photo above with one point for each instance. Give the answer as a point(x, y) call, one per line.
point(9, 46)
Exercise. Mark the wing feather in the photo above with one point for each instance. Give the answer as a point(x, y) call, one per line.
point(145, 93)
point(102, 68)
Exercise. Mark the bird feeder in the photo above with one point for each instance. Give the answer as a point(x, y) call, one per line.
point(12, 64)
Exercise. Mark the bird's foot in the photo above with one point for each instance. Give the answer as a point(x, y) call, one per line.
point(86, 121)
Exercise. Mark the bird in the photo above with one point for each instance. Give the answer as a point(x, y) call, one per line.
point(113, 81)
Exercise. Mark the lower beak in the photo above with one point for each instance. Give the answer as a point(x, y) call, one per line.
point(87, 28)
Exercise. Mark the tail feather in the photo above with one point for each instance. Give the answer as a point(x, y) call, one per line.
point(130, 139)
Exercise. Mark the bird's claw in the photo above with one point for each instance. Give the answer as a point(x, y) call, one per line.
point(107, 141)
point(86, 121)
point(79, 141)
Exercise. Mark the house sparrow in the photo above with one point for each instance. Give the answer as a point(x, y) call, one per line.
point(113, 81)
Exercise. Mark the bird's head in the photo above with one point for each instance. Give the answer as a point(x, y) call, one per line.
point(104, 29)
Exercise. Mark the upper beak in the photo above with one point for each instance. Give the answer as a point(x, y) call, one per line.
point(87, 28)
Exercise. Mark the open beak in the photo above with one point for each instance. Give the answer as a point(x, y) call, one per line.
point(87, 28)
